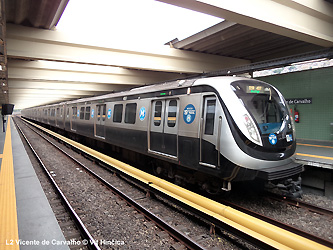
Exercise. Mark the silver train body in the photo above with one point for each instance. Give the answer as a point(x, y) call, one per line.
point(219, 129)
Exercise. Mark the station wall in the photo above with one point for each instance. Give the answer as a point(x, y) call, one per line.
point(315, 118)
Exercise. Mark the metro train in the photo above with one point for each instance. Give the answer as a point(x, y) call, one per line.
point(211, 131)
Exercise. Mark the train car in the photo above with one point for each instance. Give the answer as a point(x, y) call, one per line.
point(210, 131)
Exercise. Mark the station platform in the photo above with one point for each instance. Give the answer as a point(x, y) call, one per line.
point(317, 157)
point(26, 218)
point(315, 153)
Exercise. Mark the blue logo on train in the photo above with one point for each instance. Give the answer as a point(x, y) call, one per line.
point(142, 114)
point(272, 139)
point(109, 113)
point(189, 114)
point(92, 113)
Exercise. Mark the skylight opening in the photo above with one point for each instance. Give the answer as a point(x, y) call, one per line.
point(132, 22)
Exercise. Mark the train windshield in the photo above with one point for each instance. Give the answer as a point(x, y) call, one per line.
point(264, 103)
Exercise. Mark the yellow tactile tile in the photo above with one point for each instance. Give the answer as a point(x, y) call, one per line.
point(312, 145)
point(8, 216)
point(316, 156)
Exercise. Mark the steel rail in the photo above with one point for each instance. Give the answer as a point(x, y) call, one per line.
point(173, 232)
point(280, 224)
point(302, 204)
point(90, 241)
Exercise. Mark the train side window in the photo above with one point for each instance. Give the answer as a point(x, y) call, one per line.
point(118, 113)
point(81, 113)
point(104, 112)
point(210, 117)
point(87, 113)
point(130, 113)
point(98, 113)
point(74, 113)
point(172, 113)
point(158, 113)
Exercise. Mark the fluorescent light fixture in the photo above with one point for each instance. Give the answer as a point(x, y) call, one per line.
point(310, 61)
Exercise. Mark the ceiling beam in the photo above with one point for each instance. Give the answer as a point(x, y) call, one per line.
point(31, 43)
point(309, 20)
point(203, 34)
point(281, 62)
point(84, 73)
point(58, 10)
point(48, 79)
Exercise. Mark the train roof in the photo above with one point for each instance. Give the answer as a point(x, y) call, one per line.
point(145, 89)
point(140, 90)
point(185, 83)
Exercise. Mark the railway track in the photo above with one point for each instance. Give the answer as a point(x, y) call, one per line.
point(218, 223)
point(281, 224)
point(305, 205)
point(176, 234)
point(87, 240)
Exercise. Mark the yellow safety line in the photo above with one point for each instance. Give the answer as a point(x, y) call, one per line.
point(316, 156)
point(311, 145)
point(8, 216)
point(0, 156)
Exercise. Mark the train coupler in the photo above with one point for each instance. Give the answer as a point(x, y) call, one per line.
point(288, 188)
point(226, 186)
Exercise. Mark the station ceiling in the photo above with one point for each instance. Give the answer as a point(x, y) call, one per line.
point(244, 42)
point(43, 14)
point(230, 38)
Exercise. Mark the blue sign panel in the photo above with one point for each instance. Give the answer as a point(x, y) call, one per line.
point(289, 138)
point(189, 114)
point(272, 139)
point(78, 113)
point(142, 114)
point(109, 113)
point(92, 113)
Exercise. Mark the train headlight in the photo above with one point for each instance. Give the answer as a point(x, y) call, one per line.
point(252, 130)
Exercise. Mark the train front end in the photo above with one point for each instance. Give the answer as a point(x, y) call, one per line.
point(263, 134)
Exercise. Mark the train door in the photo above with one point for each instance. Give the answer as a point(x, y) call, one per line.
point(48, 115)
point(62, 116)
point(208, 152)
point(73, 118)
point(100, 120)
point(57, 117)
point(163, 137)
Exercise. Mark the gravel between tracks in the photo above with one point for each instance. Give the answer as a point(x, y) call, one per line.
point(316, 224)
